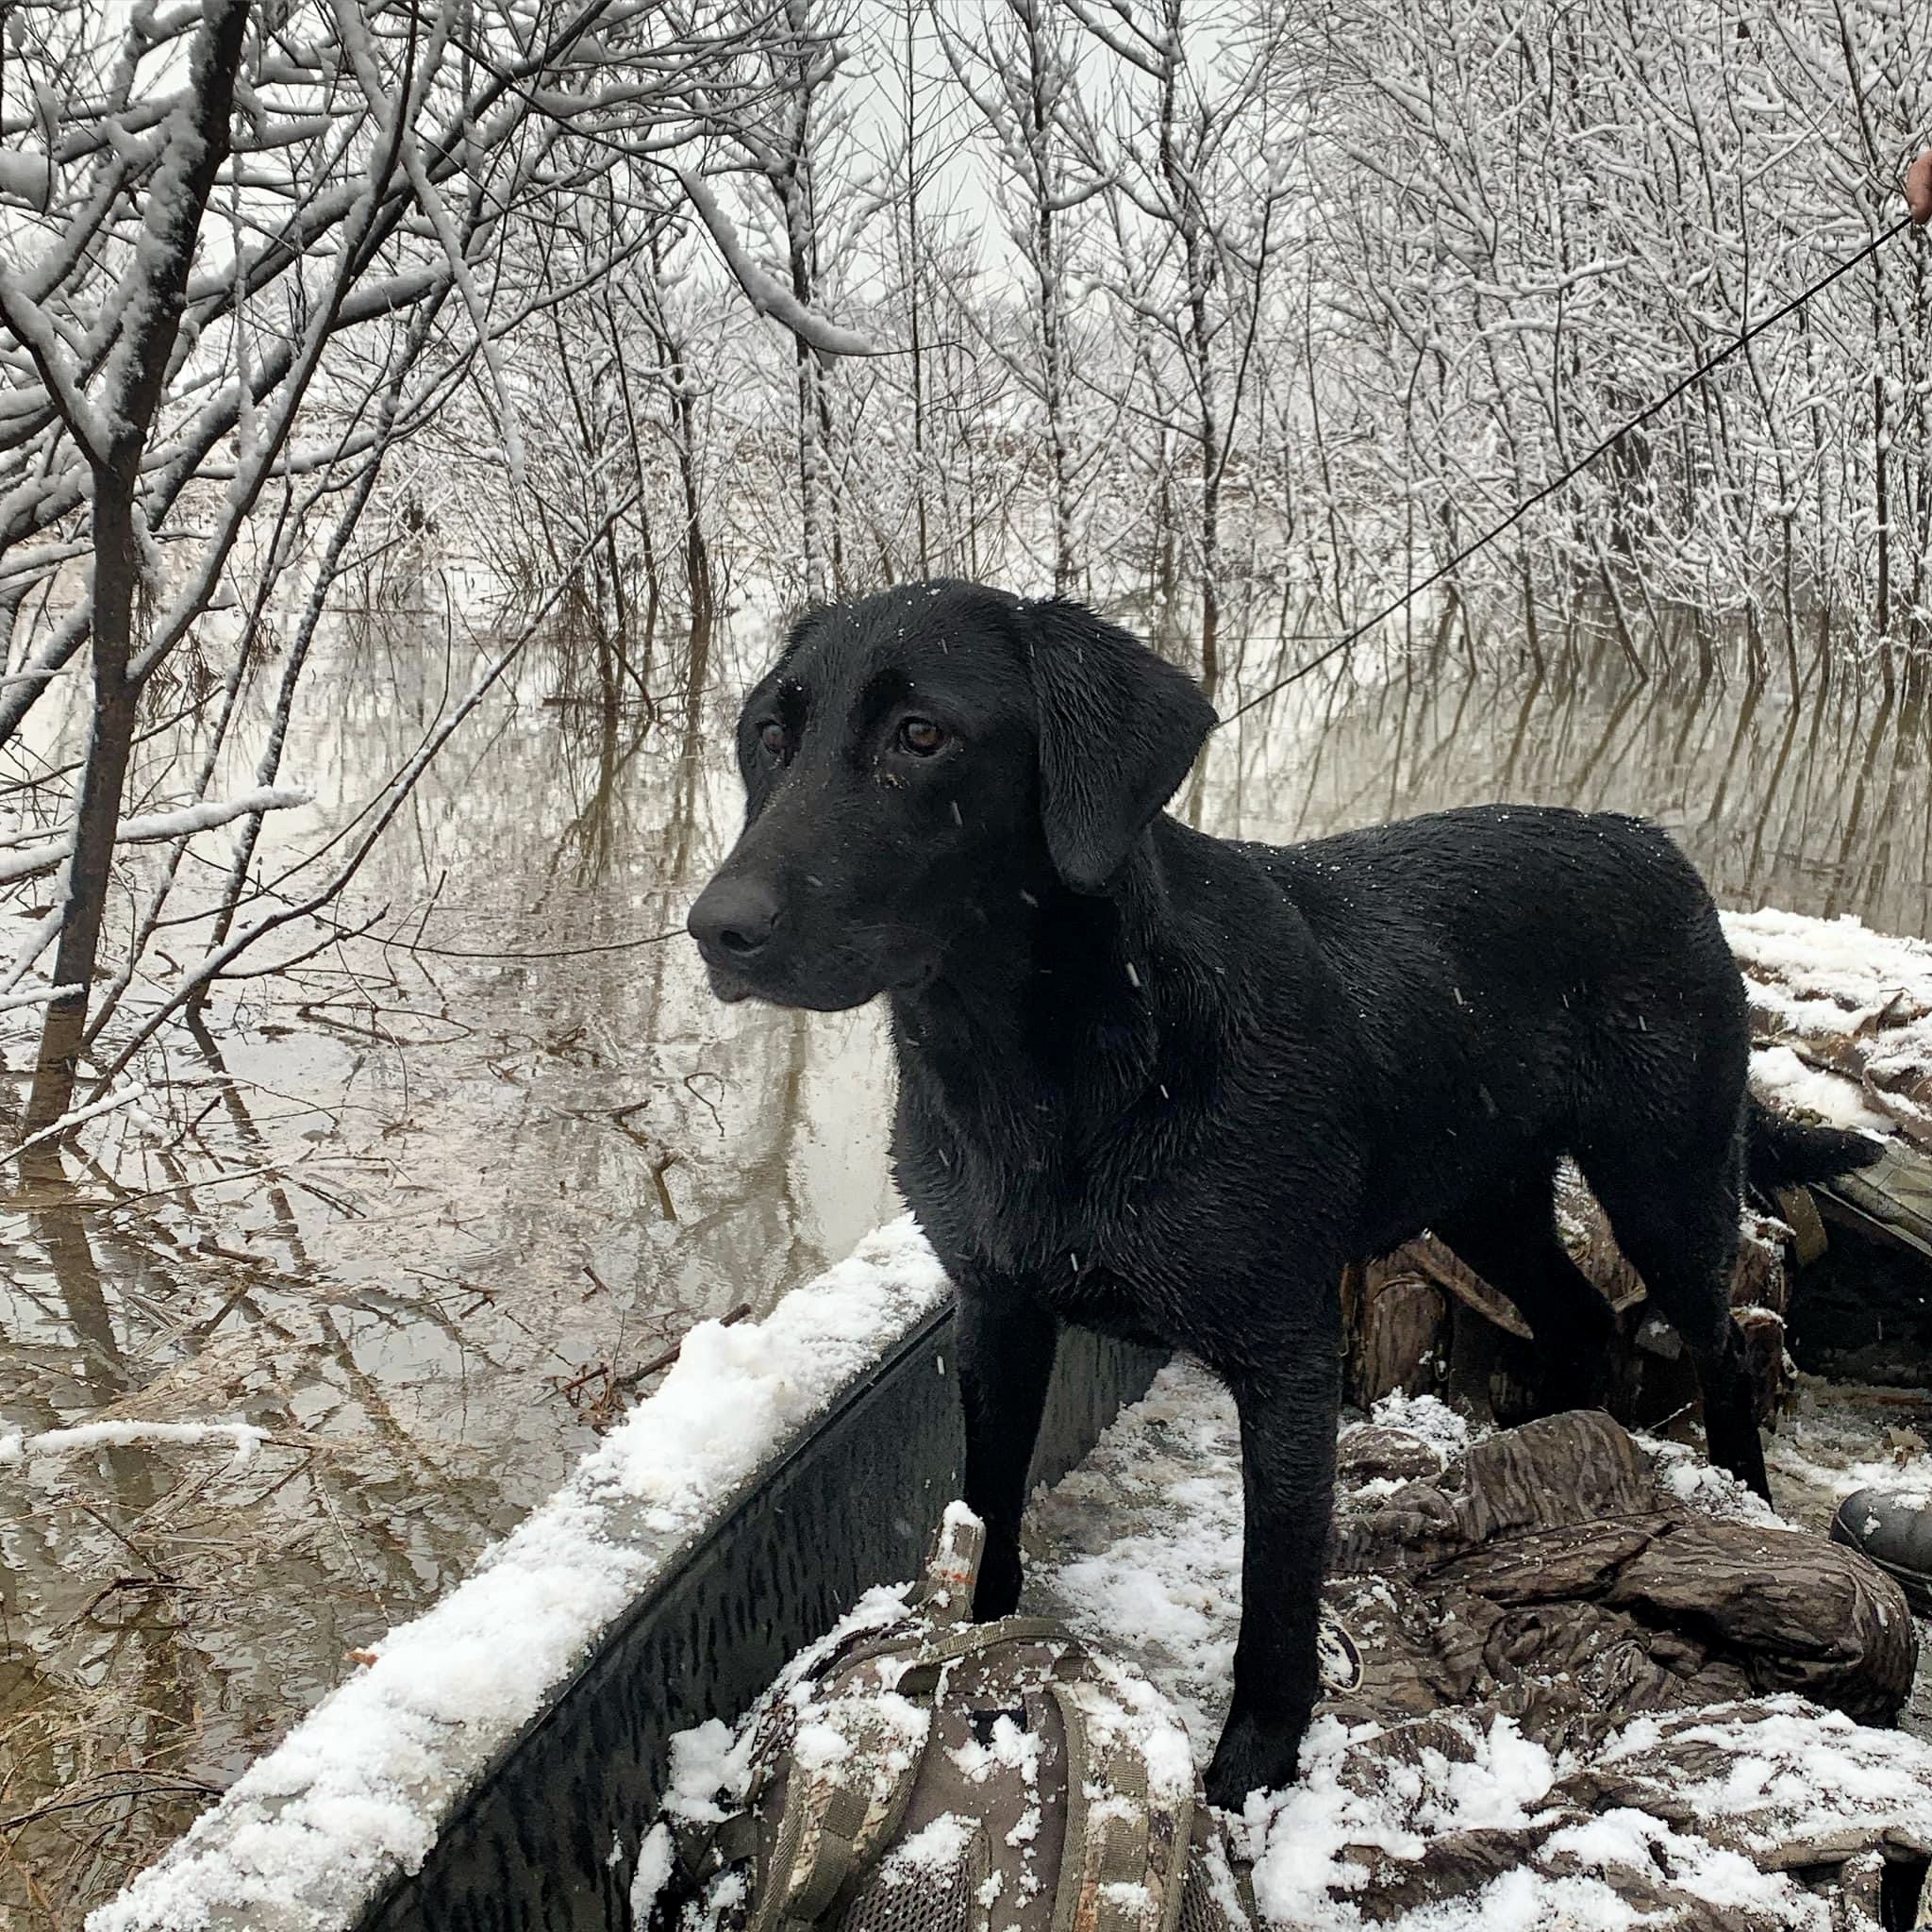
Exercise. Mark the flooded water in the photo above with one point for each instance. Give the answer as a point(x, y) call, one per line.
point(1820, 806)
point(428, 1215)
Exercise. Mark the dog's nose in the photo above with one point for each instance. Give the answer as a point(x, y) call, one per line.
point(734, 917)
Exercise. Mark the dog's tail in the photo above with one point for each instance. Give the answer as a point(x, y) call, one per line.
point(1780, 1152)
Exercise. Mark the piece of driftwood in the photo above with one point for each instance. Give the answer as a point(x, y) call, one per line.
point(1422, 1320)
point(1856, 1004)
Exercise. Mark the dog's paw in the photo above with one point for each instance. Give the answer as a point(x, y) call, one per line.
point(1252, 1757)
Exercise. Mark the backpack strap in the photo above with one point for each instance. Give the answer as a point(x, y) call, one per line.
point(970, 1640)
point(927, 1651)
point(945, 1591)
point(843, 1809)
point(1123, 1859)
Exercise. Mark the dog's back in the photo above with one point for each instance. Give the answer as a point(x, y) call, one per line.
point(1526, 980)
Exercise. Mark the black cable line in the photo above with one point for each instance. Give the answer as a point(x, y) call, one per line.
point(1350, 638)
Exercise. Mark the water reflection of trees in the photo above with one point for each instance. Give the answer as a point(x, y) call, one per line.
point(84, 1787)
point(1823, 804)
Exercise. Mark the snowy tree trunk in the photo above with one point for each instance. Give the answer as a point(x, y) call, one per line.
point(1020, 77)
point(97, 807)
point(176, 200)
point(913, 275)
point(1051, 295)
point(1043, 82)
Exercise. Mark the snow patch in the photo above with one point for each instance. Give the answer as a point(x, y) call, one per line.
point(1831, 991)
point(940, 1847)
point(1142, 1542)
point(1712, 1491)
point(1427, 1417)
point(654, 1870)
point(1780, 1078)
point(245, 1437)
point(1839, 960)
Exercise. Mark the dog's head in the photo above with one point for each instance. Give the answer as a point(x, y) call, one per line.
point(920, 767)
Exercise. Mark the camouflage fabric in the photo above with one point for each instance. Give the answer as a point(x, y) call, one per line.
point(939, 1775)
point(1549, 1574)
point(1672, 1664)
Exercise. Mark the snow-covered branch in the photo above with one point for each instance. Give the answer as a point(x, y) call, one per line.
point(147, 827)
point(767, 295)
point(19, 1447)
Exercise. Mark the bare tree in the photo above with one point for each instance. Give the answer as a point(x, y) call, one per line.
point(1020, 72)
point(219, 204)
point(1199, 166)
point(782, 149)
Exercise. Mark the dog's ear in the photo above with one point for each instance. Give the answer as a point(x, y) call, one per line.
point(1119, 727)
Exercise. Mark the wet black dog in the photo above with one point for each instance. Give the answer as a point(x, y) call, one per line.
point(1167, 1085)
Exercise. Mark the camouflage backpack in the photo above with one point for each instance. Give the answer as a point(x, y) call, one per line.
point(927, 1774)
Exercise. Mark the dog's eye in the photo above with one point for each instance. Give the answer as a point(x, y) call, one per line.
point(921, 737)
point(771, 736)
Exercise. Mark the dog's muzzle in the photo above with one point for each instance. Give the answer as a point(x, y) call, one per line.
point(734, 921)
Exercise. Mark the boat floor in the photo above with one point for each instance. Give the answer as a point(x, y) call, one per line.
point(1138, 1549)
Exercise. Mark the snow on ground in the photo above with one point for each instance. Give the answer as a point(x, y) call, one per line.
point(356, 1792)
point(1830, 1443)
point(1840, 959)
point(1145, 1536)
point(1426, 1417)
point(1793, 1782)
point(1142, 1544)
point(1779, 1078)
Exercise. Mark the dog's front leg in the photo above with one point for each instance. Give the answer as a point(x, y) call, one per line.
point(1288, 1481)
point(1007, 1343)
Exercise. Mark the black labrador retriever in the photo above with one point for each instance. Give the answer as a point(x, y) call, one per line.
point(1167, 1085)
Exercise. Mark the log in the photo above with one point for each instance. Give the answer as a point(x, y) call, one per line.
point(1423, 1320)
